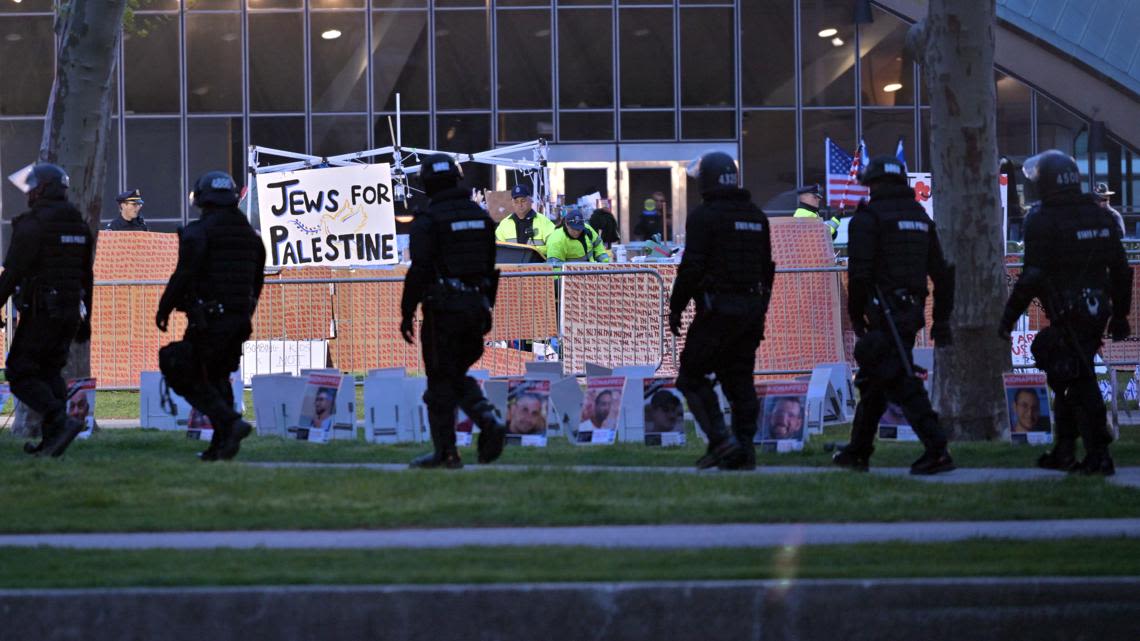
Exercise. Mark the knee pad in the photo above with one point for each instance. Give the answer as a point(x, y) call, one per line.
point(178, 365)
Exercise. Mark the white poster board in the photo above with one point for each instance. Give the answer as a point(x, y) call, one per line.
point(783, 411)
point(281, 357)
point(170, 411)
point(1027, 399)
point(277, 402)
point(924, 195)
point(601, 407)
point(331, 217)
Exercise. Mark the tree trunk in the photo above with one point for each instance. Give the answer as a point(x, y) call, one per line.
point(956, 46)
point(77, 122)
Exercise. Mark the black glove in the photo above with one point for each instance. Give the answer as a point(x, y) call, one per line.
point(83, 334)
point(408, 331)
point(161, 320)
point(1119, 329)
point(675, 323)
point(941, 334)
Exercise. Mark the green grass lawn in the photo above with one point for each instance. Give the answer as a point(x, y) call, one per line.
point(133, 480)
point(47, 568)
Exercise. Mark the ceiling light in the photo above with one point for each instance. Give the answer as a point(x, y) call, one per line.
point(229, 37)
point(641, 33)
point(827, 33)
point(542, 33)
point(837, 42)
point(331, 34)
point(893, 87)
point(13, 37)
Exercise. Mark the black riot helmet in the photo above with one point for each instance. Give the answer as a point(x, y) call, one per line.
point(714, 170)
point(883, 169)
point(215, 189)
point(439, 172)
point(47, 181)
point(1052, 172)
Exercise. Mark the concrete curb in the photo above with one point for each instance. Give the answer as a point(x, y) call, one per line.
point(618, 536)
point(1042, 609)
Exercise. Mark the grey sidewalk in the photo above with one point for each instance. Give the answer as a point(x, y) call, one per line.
point(608, 536)
point(1127, 476)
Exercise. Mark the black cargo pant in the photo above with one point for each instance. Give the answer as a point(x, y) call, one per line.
point(723, 344)
point(198, 367)
point(39, 353)
point(452, 343)
point(1078, 405)
point(882, 378)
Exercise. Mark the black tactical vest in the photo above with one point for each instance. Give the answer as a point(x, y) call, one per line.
point(742, 238)
point(232, 261)
point(64, 260)
point(464, 240)
point(903, 241)
point(1075, 238)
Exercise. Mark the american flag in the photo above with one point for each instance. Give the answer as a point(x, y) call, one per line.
point(843, 188)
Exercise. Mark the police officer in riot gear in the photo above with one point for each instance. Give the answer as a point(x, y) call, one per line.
point(217, 284)
point(727, 270)
point(893, 247)
point(49, 270)
point(453, 277)
point(1076, 266)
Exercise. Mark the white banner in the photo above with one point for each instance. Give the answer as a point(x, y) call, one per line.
point(924, 194)
point(332, 217)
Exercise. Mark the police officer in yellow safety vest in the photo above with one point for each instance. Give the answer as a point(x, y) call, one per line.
point(810, 199)
point(576, 241)
point(524, 226)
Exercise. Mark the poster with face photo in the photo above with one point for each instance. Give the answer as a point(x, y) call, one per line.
point(783, 415)
point(528, 404)
point(1027, 398)
point(318, 407)
point(664, 413)
point(601, 407)
point(81, 403)
point(894, 426)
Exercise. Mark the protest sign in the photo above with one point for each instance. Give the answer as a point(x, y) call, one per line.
point(332, 217)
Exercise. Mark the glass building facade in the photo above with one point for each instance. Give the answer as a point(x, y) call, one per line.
point(607, 82)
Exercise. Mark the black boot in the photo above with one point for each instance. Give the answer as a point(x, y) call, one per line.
point(1096, 463)
point(933, 461)
point(211, 451)
point(59, 436)
point(723, 446)
point(1061, 458)
point(441, 424)
point(492, 433)
point(47, 432)
point(745, 435)
point(232, 438)
point(849, 458)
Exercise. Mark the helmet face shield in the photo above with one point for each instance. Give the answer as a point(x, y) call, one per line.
point(694, 168)
point(1032, 166)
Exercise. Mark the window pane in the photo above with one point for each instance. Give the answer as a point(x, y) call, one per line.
point(468, 133)
point(647, 125)
point(769, 142)
point(1013, 122)
point(522, 3)
point(768, 73)
point(708, 125)
point(707, 75)
point(214, 144)
point(336, 4)
point(151, 66)
point(269, 88)
point(111, 182)
point(829, 59)
point(818, 125)
point(333, 135)
point(20, 146)
point(588, 125)
point(887, 69)
point(213, 45)
point(212, 4)
point(460, 3)
point(400, 59)
point(462, 60)
point(1059, 128)
point(924, 128)
point(415, 131)
point(153, 149)
point(585, 59)
point(338, 60)
point(399, 4)
point(524, 60)
point(24, 88)
point(882, 129)
point(286, 133)
point(27, 6)
point(254, 5)
point(646, 57)
point(521, 127)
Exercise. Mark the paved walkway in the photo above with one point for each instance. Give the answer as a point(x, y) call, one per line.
point(609, 536)
point(1127, 476)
